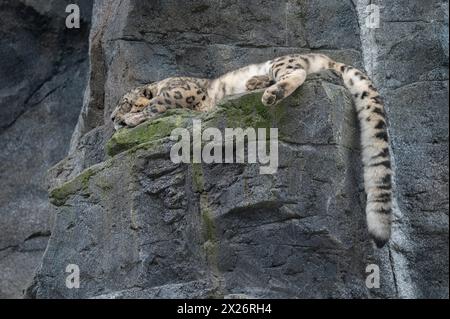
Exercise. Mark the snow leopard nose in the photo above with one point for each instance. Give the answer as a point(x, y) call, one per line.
point(118, 124)
point(113, 115)
point(115, 119)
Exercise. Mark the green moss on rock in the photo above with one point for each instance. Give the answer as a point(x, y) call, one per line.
point(207, 218)
point(59, 195)
point(197, 177)
point(244, 111)
point(125, 139)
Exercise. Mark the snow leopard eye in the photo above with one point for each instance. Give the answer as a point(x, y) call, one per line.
point(147, 93)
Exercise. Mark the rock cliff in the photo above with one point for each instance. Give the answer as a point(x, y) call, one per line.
point(138, 225)
point(43, 71)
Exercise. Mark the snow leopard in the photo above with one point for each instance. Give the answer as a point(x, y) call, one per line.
point(279, 78)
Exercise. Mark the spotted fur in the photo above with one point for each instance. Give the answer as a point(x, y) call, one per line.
point(280, 78)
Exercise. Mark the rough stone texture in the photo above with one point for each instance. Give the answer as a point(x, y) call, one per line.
point(43, 67)
point(408, 59)
point(133, 43)
point(140, 226)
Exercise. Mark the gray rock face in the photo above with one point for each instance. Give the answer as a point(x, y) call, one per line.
point(199, 39)
point(43, 68)
point(408, 59)
point(139, 226)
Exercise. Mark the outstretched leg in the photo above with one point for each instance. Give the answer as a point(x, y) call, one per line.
point(258, 82)
point(284, 87)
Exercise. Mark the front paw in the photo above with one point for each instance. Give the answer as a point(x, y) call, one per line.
point(258, 82)
point(133, 120)
point(272, 95)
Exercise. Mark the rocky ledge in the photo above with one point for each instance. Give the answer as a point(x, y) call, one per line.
point(139, 226)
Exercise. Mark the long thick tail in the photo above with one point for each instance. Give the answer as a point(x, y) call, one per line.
point(375, 150)
point(374, 136)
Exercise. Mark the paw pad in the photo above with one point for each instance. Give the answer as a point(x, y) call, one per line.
point(273, 95)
